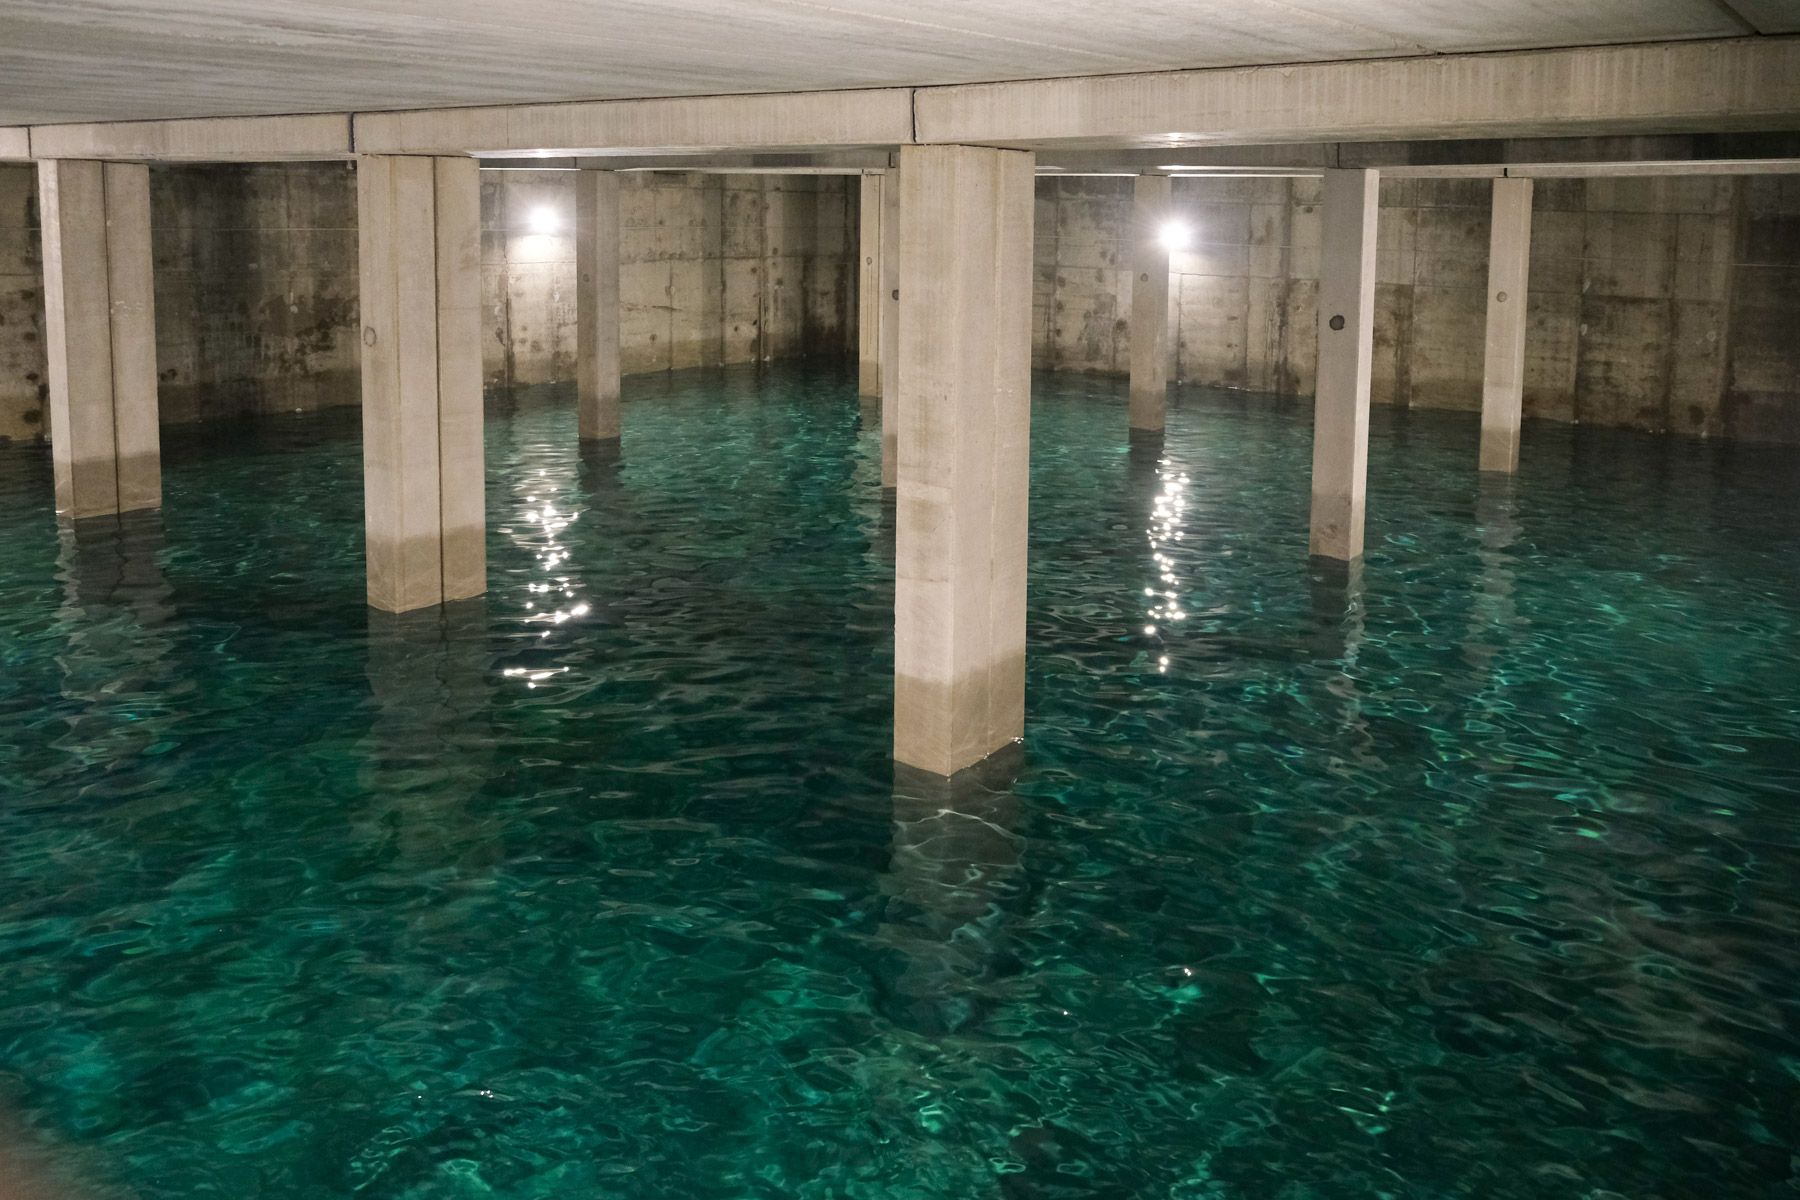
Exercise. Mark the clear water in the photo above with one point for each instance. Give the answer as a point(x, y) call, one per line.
point(1477, 876)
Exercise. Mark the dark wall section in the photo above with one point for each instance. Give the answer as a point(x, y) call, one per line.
point(256, 281)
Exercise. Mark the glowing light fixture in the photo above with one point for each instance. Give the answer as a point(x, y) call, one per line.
point(544, 220)
point(1174, 236)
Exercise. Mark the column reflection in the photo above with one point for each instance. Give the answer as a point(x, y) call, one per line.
point(1493, 611)
point(430, 745)
point(115, 616)
point(954, 879)
point(1336, 631)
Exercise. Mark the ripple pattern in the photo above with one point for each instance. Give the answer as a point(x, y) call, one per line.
point(1471, 873)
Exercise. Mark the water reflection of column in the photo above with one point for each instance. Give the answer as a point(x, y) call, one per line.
point(1338, 627)
point(430, 743)
point(954, 874)
point(1493, 611)
point(114, 615)
point(955, 882)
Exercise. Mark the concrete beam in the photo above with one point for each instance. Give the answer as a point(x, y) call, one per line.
point(15, 144)
point(868, 287)
point(1673, 154)
point(424, 481)
point(1740, 83)
point(1724, 86)
point(1346, 356)
point(597, 305)
point(100, 336)
point(1572, 170)
point(1503, 376)
point(831, 162)
point(965, 409)
point(820, 121)
point(1151, 195)
point(1305, 158)
point(223, 139)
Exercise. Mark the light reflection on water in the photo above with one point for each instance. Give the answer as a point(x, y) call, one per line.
point(1470, 873)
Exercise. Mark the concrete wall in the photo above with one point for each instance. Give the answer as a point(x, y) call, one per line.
point(713, 269)
point(24, 394)
point(256, 281)
point(1656, 303)
point(1664, 304)
point(256, 287)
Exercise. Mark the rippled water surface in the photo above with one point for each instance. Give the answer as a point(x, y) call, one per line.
point(1473, 876)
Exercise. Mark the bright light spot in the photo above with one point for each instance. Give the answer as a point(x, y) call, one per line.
point(543, 219)
point(1174, 236)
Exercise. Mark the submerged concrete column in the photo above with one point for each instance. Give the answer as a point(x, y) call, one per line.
point(868, 289)
point(1151, 206)
point(1503, 378)
point(890, 326)
point(965, 415)
point(100, 336)
point(1346, 353)
point(597, 304)
point(419, 240)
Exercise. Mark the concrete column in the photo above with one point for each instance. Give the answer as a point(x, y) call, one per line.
point(419, 236)
point(1503, 378)
point(597, 304)
point(100, 336)
point(890, 326)
point(1346, 351)
point(1151, 208)
point(868, 289)
point(965, 415)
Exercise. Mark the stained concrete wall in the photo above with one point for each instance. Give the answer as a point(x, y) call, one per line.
point(256, 281)
point(256, 286)
point(24, 394)
point(713, 269)
point(1655, 303)
point(1764, 315)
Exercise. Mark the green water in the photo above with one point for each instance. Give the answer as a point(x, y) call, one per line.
point(1477, 876)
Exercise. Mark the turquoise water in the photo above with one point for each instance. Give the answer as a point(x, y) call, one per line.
point(1477, 875)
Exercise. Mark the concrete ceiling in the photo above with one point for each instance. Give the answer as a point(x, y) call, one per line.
point(103, 60)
